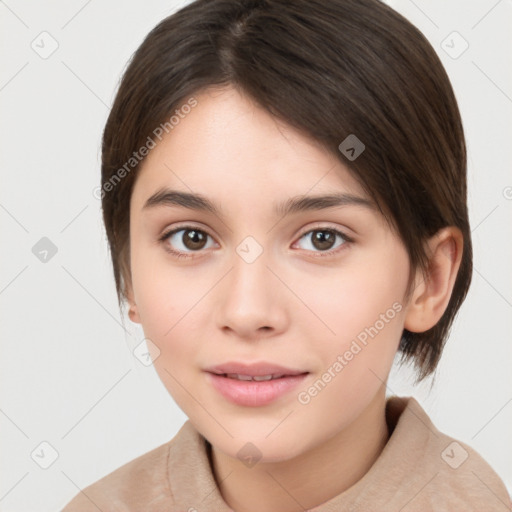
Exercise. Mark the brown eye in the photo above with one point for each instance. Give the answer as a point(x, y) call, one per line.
point(194, 239)
point(187, 240)
point(323, 240)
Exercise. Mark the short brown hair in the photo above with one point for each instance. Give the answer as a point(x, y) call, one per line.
point(329, 68)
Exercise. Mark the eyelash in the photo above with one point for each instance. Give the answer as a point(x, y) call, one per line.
point(319, 254)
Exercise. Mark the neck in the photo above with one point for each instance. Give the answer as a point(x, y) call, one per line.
point(312, 478)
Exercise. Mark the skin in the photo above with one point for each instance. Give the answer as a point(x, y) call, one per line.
point(290, 306)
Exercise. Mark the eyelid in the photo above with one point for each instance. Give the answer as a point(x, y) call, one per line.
point(318, 226)
point(168, 232)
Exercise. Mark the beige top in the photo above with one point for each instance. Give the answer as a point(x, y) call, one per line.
point(420, 470)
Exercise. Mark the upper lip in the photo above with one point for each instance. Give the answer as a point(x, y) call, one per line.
point(253, 369)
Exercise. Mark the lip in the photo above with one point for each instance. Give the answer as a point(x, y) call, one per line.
point(253, 393)
point(254, 369)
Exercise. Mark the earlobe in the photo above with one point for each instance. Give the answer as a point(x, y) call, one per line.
point(432, 291)
point(133, 312)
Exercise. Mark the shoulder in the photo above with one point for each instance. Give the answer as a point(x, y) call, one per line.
point(465, 477)
point(450, 475)
point(172, 477)
point(140, 484)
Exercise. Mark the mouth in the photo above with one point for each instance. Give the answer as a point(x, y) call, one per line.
point(253, 370)
point(257, 378)
point(254, 385)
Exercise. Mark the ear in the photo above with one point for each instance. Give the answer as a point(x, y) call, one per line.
point(133, 312)
point(432, 292)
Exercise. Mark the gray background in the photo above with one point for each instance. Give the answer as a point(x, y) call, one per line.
point(68, 375)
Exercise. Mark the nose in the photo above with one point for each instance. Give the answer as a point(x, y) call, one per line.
point(251, 301)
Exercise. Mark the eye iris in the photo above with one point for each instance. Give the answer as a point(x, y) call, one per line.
point(194, 239)
point(323, 239)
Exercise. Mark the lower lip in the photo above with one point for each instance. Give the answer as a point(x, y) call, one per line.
point(254, 393)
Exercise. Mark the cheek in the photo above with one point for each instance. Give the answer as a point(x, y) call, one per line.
point(364, 311)
point(161, 289)
point(362, 307)
point(166, 298)
point(348, 302)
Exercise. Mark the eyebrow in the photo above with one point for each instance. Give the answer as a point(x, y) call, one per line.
point(168, 197)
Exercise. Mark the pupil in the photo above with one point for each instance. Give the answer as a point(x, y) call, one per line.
point(194, 239)
point(323, 239)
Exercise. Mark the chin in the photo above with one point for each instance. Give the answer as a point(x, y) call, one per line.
point(258, 444)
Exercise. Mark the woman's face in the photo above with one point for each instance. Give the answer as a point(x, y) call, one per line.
point(270, 282)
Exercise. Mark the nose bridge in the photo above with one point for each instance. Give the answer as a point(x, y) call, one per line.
point(249, 300)
point(250, 275)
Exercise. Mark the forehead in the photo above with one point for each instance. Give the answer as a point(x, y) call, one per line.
point(230, 148)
